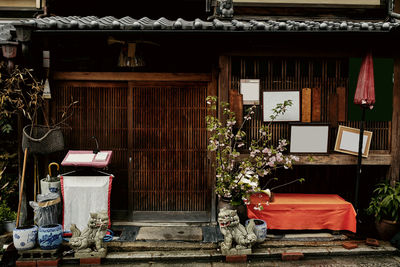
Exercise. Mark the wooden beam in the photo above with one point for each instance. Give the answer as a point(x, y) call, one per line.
point(340, 159)
point(132, 76)
point(395, 142)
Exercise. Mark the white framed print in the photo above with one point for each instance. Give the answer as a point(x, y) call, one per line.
point(272, 98)
point(347, 141)
point(250, 89)
point(309, 138)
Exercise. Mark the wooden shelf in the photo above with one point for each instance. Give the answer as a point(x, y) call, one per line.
point(341, 159)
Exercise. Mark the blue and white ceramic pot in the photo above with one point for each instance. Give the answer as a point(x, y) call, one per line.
point(24, 237)
point(50, 236)
point(260, 229)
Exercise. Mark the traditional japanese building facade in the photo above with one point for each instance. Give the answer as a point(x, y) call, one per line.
point(141, 84)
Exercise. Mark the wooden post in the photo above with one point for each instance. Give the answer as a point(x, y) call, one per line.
point(395, 148)
point(130, 149)
point(224, 80)
point(212, 90)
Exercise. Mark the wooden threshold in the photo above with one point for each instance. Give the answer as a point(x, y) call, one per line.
point(171, 216)
point(340, 159)
point(133, 76)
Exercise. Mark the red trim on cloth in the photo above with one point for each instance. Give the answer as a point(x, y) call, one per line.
point(304, 212)
point(109, 200)
point(62, 193)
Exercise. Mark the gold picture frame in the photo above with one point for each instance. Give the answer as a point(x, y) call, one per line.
point(347, 141)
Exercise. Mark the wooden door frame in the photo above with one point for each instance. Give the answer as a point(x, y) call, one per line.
point(132, 78)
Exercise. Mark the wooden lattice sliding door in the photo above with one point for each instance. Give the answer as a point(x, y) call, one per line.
point(101, 112)
point(169, 148)
point(155, 126)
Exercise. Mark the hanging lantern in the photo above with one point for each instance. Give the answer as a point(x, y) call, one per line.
point(10, 52)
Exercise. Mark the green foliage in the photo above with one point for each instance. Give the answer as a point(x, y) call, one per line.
point(238, 176)
point(385, 203)
point(6, 213)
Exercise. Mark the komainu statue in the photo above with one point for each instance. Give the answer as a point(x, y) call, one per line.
point(237, 238)
point(224, 8)
point(90, 240)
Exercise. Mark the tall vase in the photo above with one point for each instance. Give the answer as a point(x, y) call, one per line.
point(25, 237)
point(241, 209)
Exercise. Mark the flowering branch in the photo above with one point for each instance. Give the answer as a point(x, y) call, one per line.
point(238, 180)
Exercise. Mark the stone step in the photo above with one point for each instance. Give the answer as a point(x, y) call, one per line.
point(116, 246)
point(259, 253)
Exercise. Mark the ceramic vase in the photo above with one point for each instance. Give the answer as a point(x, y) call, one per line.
point(8, 226)
point(47, 187)
point(260, 229)
point(25, 237)
point(387, 229)
point(50, 236)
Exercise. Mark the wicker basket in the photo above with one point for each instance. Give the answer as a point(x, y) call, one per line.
point(43, 140)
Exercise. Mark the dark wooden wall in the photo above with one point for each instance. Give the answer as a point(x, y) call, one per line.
point(279, 73)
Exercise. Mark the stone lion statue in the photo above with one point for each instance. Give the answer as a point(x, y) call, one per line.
point(91, 238)
point(224, 8)
point(237, 238)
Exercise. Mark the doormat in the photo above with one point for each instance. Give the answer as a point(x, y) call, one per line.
point(126, 233)
point(170, 233)
point(212, 234)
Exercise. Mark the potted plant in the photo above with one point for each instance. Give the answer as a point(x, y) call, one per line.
point(237, 176)
point(23, 92)
point(385, 207)
point(7, 217)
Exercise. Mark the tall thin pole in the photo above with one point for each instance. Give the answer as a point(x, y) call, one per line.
point(360, 145)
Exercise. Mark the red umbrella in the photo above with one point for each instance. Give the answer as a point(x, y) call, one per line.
point(365, 97)
point(365, 92)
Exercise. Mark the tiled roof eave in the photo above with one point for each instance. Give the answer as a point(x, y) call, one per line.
point(128, 24)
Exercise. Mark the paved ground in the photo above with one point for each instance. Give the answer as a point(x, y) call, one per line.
point(359, 261)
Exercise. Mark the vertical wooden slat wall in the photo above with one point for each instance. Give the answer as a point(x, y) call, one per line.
point(325, 76)
point(101, 112)
point(169, 148)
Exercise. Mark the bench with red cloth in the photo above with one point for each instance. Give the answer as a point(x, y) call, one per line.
point(304, 212)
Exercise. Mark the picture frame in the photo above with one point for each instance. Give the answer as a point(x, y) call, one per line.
point(347, 141)
point(310, 138)
point(250, 89)
point(272, 98)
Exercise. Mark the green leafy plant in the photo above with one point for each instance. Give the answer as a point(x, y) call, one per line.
point(6, 213)
point(238, 175)
point(385, 202)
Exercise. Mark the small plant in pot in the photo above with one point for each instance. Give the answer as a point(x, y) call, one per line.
point(385, 207)
point(7, 217)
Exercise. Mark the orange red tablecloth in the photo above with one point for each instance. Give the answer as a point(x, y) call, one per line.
point(304, 212)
